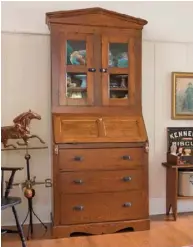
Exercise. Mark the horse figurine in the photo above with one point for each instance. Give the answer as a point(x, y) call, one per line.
point(20, 129)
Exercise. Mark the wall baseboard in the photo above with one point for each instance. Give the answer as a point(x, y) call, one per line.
point(157, 206)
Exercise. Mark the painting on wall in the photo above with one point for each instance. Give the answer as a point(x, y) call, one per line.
point(182, 95)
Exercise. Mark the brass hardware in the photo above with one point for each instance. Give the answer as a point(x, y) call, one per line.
point(103, 70)
point(56, 149)
point(91, 69)
point(78, 208)
point(78, 181)
point(78, 158)
point(146, 147)
point(126, 157)
point(126, 179)
point(127, 204)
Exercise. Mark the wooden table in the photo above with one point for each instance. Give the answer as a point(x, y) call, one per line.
point(172, 187)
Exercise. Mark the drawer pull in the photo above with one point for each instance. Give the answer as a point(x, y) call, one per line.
point(91, 69)
point(126, 157)
point(103, 70)
point(126, 179)
point(78, 208)
point(78, 181)
point(127, 204)
point(78, 158)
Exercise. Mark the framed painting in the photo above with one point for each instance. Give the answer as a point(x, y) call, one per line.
point(182, 95)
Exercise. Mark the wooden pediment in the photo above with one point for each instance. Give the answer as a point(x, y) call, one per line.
point(94, 17)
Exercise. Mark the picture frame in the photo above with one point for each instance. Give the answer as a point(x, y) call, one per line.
point(182, 96)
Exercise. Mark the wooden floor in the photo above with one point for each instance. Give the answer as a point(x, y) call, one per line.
point(163, 233)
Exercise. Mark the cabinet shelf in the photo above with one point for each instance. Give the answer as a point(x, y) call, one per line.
point(76, 89)
point(185, 197)
point(119, 89)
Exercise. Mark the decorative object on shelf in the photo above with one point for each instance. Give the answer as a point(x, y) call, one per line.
point(180, 144)
point(173, 148)
point(83, 83)
point(123, 81)
point(118, 55)
point(76, 95)
point(78, 57)
point(182, 95)
point(76, 85)
point(70, 83)
point(28, 188)
point(20, 129)
point(123, 60)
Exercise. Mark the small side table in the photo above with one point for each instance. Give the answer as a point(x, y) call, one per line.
point(172, 187)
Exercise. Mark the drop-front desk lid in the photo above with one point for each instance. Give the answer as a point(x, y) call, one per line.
point(78, 129)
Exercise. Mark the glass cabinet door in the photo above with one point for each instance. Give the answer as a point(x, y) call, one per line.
point(116, 71)
point(76, 79)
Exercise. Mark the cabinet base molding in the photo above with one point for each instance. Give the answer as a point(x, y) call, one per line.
point(100, 228)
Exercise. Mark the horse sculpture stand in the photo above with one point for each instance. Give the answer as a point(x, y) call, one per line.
point(21, 130)
point(29, 185)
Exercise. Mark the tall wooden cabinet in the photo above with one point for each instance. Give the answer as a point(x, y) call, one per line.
point(100, 144)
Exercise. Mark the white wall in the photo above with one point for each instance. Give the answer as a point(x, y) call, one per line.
point(168, 21)
point(167, 47)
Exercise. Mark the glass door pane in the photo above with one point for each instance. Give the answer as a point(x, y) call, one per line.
point(118, 86)
point(116, 79)
point(76, 86)
point(118, 55)
point(76, 52)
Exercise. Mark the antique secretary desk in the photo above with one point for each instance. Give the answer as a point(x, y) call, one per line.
point(100, 144)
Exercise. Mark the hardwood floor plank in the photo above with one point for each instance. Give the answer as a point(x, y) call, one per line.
point(162, 234)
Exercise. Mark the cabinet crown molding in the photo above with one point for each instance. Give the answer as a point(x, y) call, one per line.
point(96, 16)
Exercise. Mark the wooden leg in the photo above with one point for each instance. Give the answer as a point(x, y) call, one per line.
point(174, 210)
point(171, 191)
point(168, 208)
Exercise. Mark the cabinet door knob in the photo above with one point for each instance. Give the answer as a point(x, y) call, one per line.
point(103, 70)
point(127, 204)
point(78, 181)
point(126, 179)
point(91, 69)
point(78, 158)
point(126, 157)
point(78, 207)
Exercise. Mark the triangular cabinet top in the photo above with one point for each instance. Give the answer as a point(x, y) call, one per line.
point(94, 17)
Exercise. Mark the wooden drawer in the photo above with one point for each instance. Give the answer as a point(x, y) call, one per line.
point(99, 207)
point(100, 181)
point(100, 159)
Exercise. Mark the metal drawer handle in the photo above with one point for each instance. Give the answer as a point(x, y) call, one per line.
point(78, 207)
point(126, 157)
point(78, 158)
point(91, 69)
point(78, 181)
point(126, 179)
point(127, 204)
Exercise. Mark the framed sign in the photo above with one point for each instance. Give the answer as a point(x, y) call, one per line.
point(182, 95)
point(181, 138)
